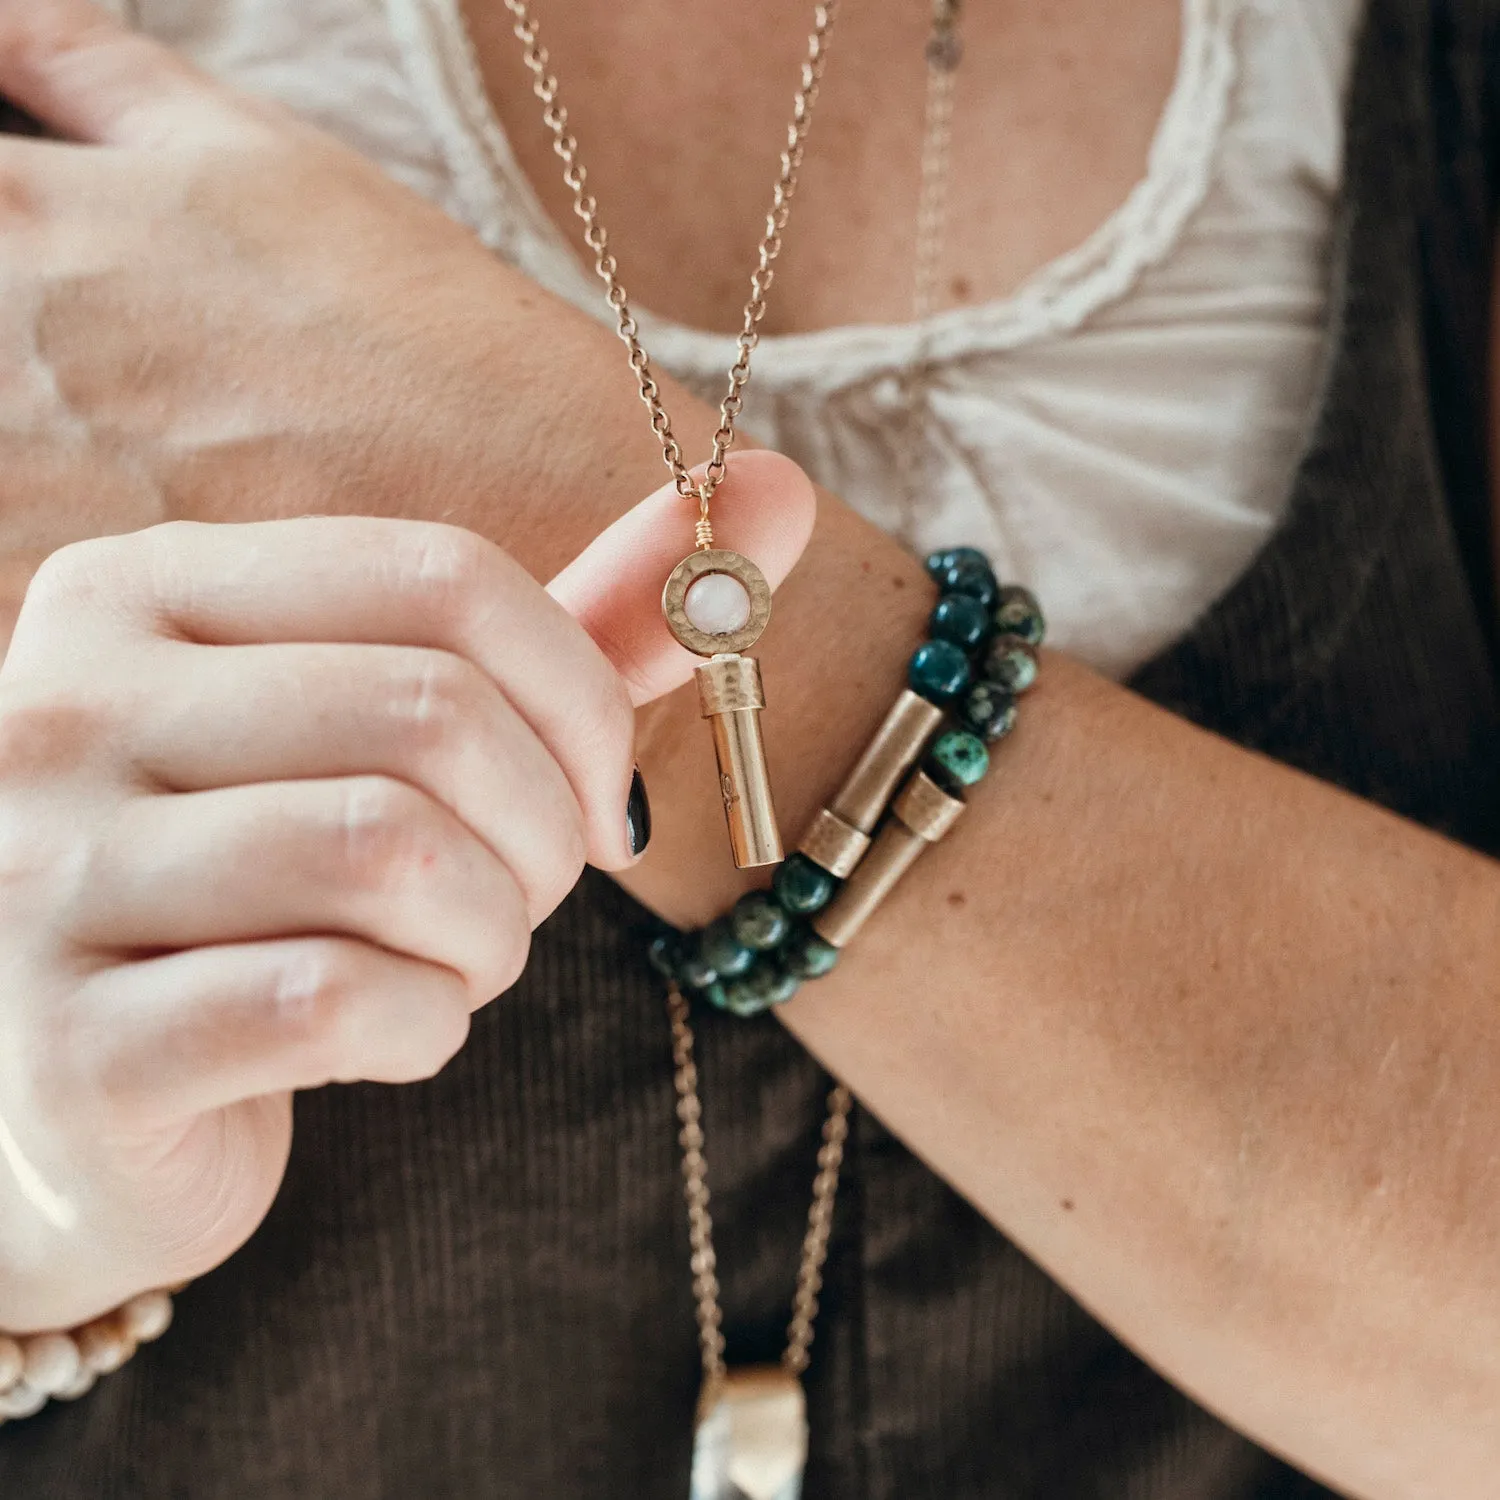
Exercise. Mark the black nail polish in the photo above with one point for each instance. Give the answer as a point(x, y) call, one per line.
point(638, 815)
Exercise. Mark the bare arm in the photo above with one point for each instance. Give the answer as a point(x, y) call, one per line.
point(1212, 1041)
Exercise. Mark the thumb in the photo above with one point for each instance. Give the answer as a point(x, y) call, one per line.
point(85, 76)
point(764, 508)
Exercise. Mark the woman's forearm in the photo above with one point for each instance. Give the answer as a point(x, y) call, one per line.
point(1212, 1041)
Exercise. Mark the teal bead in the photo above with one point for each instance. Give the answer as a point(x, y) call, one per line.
point(1011, 664)
point(743, 998)
point(801, 886)
point(722, 951)
point(939, 671)
point(971, 575)
point(665, 955)
point(780, 985)
point(807, 956)
point(960, 757)
point(961, 619)
point(1017, 613)
point(766, 984)
point(716, 994)
point(694, 970)
point(989, 711)
point(758, 921)
point(938, 563)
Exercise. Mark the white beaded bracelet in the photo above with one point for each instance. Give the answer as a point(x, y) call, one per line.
point(42, 1367)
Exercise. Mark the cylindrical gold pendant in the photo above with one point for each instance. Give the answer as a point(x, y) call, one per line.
point(731, 698)
point(717, 604)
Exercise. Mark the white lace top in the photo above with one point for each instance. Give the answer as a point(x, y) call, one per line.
point(1120, 434)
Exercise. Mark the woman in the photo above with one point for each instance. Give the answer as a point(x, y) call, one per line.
point(1204, 1037)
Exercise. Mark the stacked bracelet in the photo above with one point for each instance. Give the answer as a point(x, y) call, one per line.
point(46, 1367)
point(963, 682)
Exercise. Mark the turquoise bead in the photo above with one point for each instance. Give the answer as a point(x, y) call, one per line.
point(742, 998)
point(722, 951)
point(960, 757)
point(961, 619)
point(767, 984)
point(989, 711)
point(665, 955)
point(939, 671)
point(1017, 613)
point(1011, 664)
point(807, 956)
point(758, 921)
point(938, 563)
point(972, 576)
point(803, 887)
point(717, 995)
point(694, 970)
point(780, 985)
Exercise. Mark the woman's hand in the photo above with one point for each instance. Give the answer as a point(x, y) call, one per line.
point(280, 805)
point(202, 298)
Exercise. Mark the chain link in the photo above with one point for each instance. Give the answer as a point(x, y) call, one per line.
point(695, 1190)
point(595, 236)
point(944, 50)
point(799, 1334)
point(944, 53)
point(710, 1312)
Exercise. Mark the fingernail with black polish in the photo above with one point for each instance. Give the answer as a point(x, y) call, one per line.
point(638, 815)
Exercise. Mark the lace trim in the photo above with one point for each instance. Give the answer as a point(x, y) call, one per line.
point(499, 202)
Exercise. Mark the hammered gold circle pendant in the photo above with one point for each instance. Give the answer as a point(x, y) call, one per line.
point(717, 603)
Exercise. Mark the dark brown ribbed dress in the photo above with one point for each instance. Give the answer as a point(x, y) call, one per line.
point(478, 1287)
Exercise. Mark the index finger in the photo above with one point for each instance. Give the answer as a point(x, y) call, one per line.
point(354, 580)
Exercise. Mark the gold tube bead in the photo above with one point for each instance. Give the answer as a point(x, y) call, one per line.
point(834, 845)
point(731, 697)
point(895, 749)
point(840, 834)
point(921, 815)
point(926, 809)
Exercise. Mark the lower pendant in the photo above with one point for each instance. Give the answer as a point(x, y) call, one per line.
point(751, 1443)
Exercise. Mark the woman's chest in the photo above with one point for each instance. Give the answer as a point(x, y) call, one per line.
point(680, 111)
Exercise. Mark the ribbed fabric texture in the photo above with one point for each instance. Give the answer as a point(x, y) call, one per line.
point(478, 1287)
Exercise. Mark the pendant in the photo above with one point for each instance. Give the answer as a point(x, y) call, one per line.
point(751, 1442)
point(717, 604)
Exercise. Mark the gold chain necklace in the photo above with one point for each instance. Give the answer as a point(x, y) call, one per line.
point(716, 602)
point(751, 1437)
point(944, 53)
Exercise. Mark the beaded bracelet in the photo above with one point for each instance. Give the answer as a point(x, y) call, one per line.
point(963, 682)
point(46, 1367)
